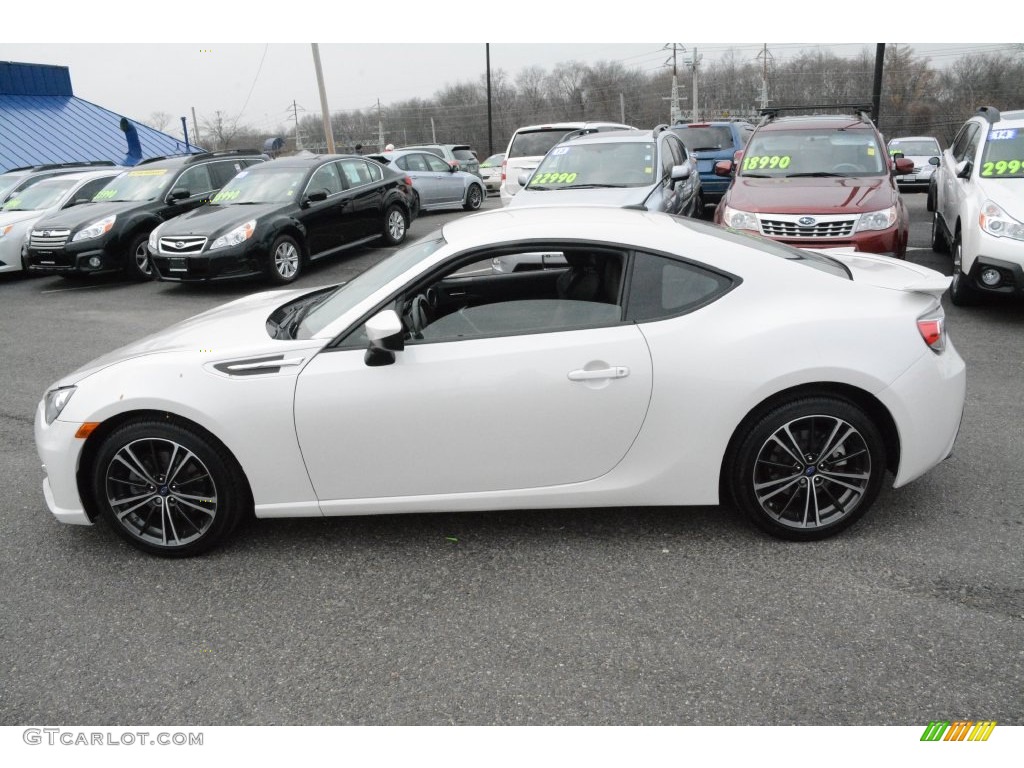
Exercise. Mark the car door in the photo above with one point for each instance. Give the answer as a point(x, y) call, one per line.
point(450, 187)
point(364, 191)
point(423, 180)
point(512, 408)
point(952, 193)
point(327, 221)
point(672, 154)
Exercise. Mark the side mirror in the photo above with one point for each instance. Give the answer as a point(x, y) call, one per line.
point(524, 178)
point(180, 194)
point(316, 196)
point(903, 165)
point(384, 330)
point(680, 172)
point(724, 168)
point(453, 167)
point(934, 161)
point(897, 155)
point(963, 169)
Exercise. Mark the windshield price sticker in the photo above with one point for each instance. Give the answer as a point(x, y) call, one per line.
point(1002, 168)
point(1002, 134)
point(104, 194)
point(230, 194)
point(13, 204)
point(560, 151)
point(761, 162)
point(554, 178)
point(149, 172)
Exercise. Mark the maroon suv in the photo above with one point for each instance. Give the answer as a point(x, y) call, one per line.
point(817, 181)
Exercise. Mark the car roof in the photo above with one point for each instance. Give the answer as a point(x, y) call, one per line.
point(913, 138)
point(110, 172)
point(811, 122)
point(634, 135)
point(303, 161)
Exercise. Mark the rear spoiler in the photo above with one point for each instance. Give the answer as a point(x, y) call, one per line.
point(936, 286)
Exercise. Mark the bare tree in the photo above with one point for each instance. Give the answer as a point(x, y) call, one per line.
point(220, 130)
point(160, 120)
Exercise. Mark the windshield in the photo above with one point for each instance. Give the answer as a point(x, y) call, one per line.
point(492, 161)
point(788, 153)
point(1003, 156)
point(135, 186)
point(705, 138)
point(9, 181)
point(915, 148)
point(265, 185)
point(363, 286)
point(602, 164)
point(465, 154)
point(39, 197)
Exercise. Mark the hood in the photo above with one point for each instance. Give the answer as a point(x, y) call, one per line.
point(890, 273)
point(208, 220)
point(1008, 194)
point(826, 195)
point(618, 197)
point(236, 326)
point(17, 217)
point(83, 215)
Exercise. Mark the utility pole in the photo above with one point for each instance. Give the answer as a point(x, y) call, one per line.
point(380, 129)
point(764, 56)
point(876, 92)
point(675, 114)
point(694, 62)
point(295, 116)
point(328, 131)
point(195, 127)
point(490, 130)
point(622, 108)
point(433, 133)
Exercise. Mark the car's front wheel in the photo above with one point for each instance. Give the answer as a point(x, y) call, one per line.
point(166, 489)
point(960, 290)
point(395, 225)
point(808, 469)
point(939, 243)
point(474, 198)
point(285, 260)
point(138, 265)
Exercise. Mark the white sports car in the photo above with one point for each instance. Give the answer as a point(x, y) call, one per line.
point(666, 362)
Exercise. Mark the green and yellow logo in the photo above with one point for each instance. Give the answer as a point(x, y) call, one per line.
point(958, 730)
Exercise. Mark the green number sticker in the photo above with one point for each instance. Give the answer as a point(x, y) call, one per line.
point(104, 194)
point(762, 162)
point(222, 196)
point(1002, 168)
point(13, 204)
point(554, 178)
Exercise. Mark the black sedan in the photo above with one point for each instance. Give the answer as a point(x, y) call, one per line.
point(273, 218)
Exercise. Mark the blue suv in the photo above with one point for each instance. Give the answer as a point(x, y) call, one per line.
point(711, 142)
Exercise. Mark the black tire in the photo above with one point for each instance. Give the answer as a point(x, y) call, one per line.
point(137, 264)
point(930, 201)
point(786, 488)
point(285, 260)
point(939, 242)
point(474, 198)
point(961, 292)
point(396, 224)
point(166, 489)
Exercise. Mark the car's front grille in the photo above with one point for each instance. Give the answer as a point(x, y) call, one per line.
point(807, 226)
point(181, 245)
point(49, 239)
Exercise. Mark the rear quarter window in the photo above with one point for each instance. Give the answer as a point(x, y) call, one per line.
point(661, 287)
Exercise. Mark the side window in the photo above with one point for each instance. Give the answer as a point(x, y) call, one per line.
point(376, 174)
point(435, 164)
point(661, 287)
point(225, 171)
point(972, 143)
point(356, 173)
point(326, 177)
point(959, 148)
point(88, 190)
point(196, 180)
point(403, 163)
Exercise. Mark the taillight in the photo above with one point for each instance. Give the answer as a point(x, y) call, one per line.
point(503, 164)
point(408, 181)
point(932, 327)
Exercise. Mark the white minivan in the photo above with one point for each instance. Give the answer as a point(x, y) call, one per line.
point(529, 144)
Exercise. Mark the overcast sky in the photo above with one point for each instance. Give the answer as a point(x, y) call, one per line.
point(256, 82)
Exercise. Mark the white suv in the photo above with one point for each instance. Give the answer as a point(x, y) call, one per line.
point(976, 197)
point(529, 144)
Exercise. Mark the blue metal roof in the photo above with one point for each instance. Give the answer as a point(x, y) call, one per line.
point(42, 122)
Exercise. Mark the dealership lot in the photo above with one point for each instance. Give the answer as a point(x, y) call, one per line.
point(621, 616)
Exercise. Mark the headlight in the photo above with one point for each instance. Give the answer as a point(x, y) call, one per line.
point(740, 219)
point(55, 401)
point(95, 229)
point(877, 219)
point(154, 240)
point(995, 221)
point(5, 230)
point(235, 236)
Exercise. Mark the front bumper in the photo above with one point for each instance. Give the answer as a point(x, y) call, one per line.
point(60, 451)
point(1011, 275)
point(231, 263)
point(75, 257)
point(885, 242)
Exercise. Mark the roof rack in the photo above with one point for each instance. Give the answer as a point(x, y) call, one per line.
point(990, 113)
point(58, 166)
point(194, 157)
point(864, 111)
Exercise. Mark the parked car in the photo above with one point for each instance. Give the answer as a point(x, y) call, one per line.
point(36, 201)
point(530, 143)
point(658, 368)
point(490, 172)
point(110, 234)
point(977, 203)
point(711, 142)
point(435, 183)
point(924, 151)
point(274, 218)
point(648, 169)
point(17, 179)
point(818, 181)
point(460, 156)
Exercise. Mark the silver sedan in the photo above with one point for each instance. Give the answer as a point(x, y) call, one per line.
point(435, 182)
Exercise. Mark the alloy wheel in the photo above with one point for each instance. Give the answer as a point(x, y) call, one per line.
point(286, 260)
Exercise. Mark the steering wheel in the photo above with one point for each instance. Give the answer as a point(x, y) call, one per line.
point(418, 315)
point(847, 167)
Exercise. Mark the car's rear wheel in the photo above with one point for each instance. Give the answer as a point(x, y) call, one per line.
point(474, 198)
point(960, 290)
point(285, 260)
point(167, 489)
point(138, 265)
point(395, 225)
point(939, 243)
point(808, 469)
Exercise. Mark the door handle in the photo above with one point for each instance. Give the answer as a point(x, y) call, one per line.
point(616, 372)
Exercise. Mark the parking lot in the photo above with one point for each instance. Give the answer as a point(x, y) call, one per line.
point(668, 616)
